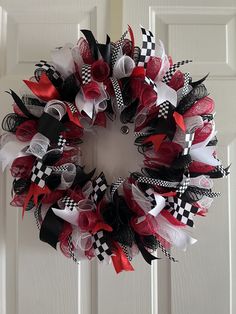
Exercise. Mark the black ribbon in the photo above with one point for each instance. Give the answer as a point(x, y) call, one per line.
point(50, 127)
point(146, 255)
point(105, 50)
point(51, 228)
point(20, 104)
point(92, 43)
point(95, 47)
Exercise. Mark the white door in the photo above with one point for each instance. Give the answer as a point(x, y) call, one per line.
point(204, 31)
point(34, 278)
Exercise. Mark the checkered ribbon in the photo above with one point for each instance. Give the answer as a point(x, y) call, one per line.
point(115, 186)
point(117, 48)
point(126, 251)
point(221, 169)
point(148, 47)
point(136, 55)
point(99, 188)
point(61, 142)
point(149, 193)
point(168, 76)
point(189, 137)
point(118, 94)
point(182, 210)
point(186, 83)
point(184, 184)
point(137, 134)
point(86, 74)
point(100, 246)
point(60, 168)
point(164, 109)
point(152, 181)
point(166, 252)
point(44, 66)
point(205, 192)
point(71, 250)
point(72, 107)
point(39, 173)
point(151, 83)
point(69, 203)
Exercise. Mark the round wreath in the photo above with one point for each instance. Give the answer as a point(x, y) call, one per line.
point(174, 130)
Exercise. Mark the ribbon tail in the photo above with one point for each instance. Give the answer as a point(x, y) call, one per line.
point(146, 255)
point(120, 261)
point(179, 121)
point(44, 89)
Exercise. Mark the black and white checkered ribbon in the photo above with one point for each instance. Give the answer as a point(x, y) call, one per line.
point(72, 107)
point(117, 48)
point(137, 134)
point(182, 210)
point(184, 184)
point(205, 192)
point(44, 66)
point(69, 203)
point(71, 250)
point(100, 246)
point(99, 188)
point(60, 168)
point(86, 74)
point(37, 216)
point(39, 173)
point(126, 251)
point(148, 47)
point(61, 142)
point(168, 76)
point(149, 193)
point(164, 109)
point(189, 137)
point(118, 94)
point(152, 181)
point(115, 186)
point(186, 84)
point(166, 252)
point(151, 83)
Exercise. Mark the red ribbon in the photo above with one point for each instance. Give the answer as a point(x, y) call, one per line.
point(120, 261)
point(34, 191)
point(73, 117)
point(179, 121)
point(156, 139)
point(44, 89)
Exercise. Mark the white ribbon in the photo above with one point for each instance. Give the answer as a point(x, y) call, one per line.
point(63, 61)
point(87, 189)
point(165, 64)
point(145, 203)
point(174, 235)
point(123, 67)
point(201, 182)
point(56, 109)
point(165, 93)
point(89, 106)
point(68, 215)
point(38, 145)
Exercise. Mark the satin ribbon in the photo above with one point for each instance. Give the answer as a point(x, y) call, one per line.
point(146, 255)
point(165, 93)
point(44, 89)
point(119, 260)
point(51, 228)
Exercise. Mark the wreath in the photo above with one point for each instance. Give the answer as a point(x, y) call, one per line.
point(174, 130)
